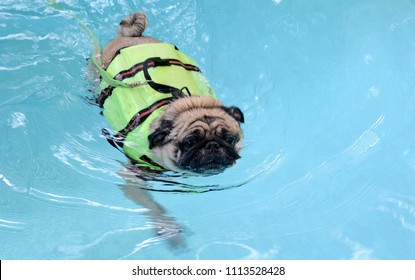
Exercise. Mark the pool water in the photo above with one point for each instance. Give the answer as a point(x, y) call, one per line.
point(328, 166)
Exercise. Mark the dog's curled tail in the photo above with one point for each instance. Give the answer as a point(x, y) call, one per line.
point(133, 25)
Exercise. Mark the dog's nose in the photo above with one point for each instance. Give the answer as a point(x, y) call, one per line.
point(212, 146)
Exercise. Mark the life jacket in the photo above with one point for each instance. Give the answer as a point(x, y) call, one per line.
point(155, 74)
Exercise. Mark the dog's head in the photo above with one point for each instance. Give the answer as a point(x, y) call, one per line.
point(198, 135)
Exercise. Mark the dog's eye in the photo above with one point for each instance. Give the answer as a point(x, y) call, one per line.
point(189, 143)
point(230, 139)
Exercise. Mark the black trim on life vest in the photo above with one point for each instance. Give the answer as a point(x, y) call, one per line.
point(130, 72)
point(153, 62)
point(141, 116)
point(161, 88)
point(117, 140)
point(144, 66)
point(105, 93)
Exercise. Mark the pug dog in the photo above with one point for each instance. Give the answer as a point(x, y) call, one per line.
point(193, 134)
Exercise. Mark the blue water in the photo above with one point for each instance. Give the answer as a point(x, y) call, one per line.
point(328, 167)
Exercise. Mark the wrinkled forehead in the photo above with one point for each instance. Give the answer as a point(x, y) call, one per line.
point(207, 122)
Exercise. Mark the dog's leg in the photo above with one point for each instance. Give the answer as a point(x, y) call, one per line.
point(165, 226)
point(93, 77)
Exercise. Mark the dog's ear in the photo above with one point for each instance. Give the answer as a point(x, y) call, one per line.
point(160, 136)
point(235, 112)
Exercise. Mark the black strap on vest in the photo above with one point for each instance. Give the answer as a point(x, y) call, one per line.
point(117, 139)
point(161, 88)
point(105, 93)
point(144, 66)
point(141, 116)
point(153, 62)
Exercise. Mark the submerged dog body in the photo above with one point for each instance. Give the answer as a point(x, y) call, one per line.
point(189, 130)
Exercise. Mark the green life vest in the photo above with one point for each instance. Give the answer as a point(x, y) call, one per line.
point(154, 75)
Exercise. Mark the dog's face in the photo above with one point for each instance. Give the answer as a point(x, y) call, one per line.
point(197, 135)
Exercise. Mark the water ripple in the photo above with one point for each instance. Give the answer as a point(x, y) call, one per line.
point(70, 200)
point(30, 37)
point(401, 208)
point(330, 201)
point(247, 252)
point(368, 140)
point(17, 119)
point(144, 244)
point(79, 251)
point(23, 65)
point(359, 252)
point(357, 152)
point(72, 153)
point(5, 180)
point(6, 224)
